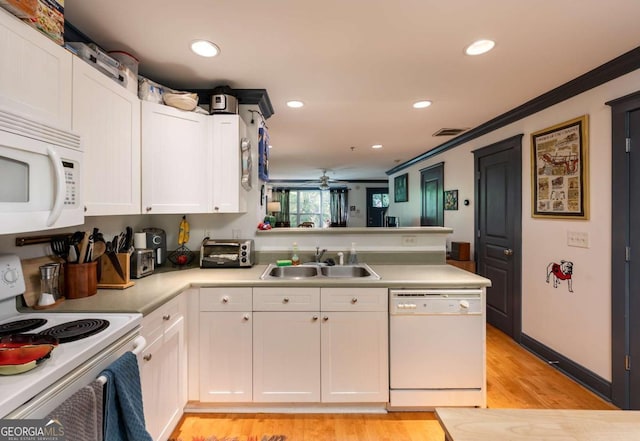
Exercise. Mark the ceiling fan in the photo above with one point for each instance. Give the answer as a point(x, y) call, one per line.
point(324, 182)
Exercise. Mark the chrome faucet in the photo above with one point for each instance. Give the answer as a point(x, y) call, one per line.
point(319, 254)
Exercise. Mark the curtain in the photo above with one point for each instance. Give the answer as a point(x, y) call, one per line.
point(281, 195)
point(339, 206)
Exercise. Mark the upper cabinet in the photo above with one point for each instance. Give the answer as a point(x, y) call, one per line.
point(35, 74)
point(107, 117)
point(176, 158)
point(228, 132)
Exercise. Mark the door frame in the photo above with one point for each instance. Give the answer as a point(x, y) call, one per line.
point(514, 142)
point(371, 191)
point(621, 315)
point(436, 171)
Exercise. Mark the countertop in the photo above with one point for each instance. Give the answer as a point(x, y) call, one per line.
point(539, 424)
point(153, 291)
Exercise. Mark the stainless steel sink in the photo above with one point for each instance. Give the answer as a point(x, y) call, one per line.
point(359, 271)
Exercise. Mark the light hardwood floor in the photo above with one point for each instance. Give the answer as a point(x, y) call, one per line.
point(515, 379)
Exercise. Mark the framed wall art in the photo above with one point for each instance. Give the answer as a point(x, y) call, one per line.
point(560, 171)
point(401, 188)
point(451, 199)
point(263, 154)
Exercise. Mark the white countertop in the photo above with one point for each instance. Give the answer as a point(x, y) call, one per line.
point(151, 292)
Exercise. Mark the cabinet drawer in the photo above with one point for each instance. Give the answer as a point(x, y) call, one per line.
point(286, 299)
point(354, 299)
point(225, 299)
point(155, 324)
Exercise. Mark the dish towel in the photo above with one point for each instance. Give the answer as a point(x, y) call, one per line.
point(123, 413)
point(81, 414)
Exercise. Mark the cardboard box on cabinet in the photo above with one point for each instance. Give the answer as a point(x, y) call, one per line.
point(49, 19)
point(26, 9)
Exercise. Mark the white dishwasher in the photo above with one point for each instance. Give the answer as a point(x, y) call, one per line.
point(436, 348)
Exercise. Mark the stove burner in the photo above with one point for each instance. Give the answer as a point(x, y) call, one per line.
point(20, 326)
point(76, 330)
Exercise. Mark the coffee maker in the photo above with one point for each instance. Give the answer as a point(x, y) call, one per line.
point(157, 241)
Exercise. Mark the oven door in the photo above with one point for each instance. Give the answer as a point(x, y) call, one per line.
point(48, 400)
point(40, 176)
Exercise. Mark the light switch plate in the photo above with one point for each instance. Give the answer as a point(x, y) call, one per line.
point(578, 239)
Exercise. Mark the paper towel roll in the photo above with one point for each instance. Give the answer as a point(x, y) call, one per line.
point(140, 241)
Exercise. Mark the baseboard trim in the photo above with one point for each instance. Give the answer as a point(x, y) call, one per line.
point(579, 373)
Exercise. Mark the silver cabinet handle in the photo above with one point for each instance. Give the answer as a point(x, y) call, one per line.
point(148, 208)
point(225, 299)
point(325, 318)
point(508, 252)
point(166, 318)
point(245, 317)
point(285, 300)
point(354, 300)
point(147, 357)
point(315, 318)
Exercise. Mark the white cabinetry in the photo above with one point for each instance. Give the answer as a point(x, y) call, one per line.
point(355, 355)
point(286, 345)
point(35, 74)
point(225, 355)
point(107, 117)
point(227, 132)
point(176, 171)
point(163, 368)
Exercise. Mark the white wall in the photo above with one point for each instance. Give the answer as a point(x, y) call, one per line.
point(578, 324)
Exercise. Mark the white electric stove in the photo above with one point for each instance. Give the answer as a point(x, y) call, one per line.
point(89, 342)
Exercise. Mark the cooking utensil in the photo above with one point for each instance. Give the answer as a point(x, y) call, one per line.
point(84, 245)
point(99, 248)
point(113, 257)
point(60, 246)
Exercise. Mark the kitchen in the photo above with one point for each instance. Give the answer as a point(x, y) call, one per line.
point(592, 323)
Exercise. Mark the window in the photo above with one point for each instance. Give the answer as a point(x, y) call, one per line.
point(309, 206)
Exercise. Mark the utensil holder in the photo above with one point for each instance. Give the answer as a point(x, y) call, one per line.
point(80, 280)
point(109, 277)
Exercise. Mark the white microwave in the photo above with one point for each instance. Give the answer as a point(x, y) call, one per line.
point(40, 176)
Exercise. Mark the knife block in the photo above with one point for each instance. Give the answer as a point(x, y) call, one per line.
point(108, 276)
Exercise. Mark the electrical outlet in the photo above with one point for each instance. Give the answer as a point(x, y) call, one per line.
point(578, 239)
point(408, 241)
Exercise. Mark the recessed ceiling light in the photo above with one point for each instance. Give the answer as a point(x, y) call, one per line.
point(479, 47)
point(204, 48)
point(376, 146)
point(295, 104)
point(421, 104)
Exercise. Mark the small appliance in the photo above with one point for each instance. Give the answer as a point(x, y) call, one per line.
point(40, 176)
point(227, 253)
point(223, 100)
point(142, 263)
point(157, 242)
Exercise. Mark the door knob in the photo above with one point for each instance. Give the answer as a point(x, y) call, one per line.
point(508, 252)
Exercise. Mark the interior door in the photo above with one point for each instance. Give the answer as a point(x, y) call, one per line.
point(432, 191)
point(625, 245)
point(377, 205)
point(498, 231)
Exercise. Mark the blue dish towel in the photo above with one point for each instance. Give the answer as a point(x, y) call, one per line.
point(123, 413)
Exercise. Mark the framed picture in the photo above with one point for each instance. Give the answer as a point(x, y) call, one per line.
point(401, 188)
point(263, 154)
point(560, 171)
point(451, 200)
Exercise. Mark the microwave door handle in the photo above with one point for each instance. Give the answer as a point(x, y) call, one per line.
point(58, 202)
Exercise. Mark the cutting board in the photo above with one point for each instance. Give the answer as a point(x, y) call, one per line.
point(31, 271)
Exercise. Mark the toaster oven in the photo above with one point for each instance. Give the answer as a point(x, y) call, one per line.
point(227, 253)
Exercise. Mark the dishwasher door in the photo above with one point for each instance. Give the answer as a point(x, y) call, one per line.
point(436, 340)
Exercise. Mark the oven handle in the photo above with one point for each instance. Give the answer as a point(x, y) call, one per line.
point(139, 343)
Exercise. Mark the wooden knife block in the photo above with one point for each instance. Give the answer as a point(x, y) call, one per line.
point(109, 277)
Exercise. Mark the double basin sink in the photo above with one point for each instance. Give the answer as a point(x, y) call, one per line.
point(359, 271)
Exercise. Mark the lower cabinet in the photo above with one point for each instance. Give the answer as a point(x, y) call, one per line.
point(293, 345)
point(163, 368)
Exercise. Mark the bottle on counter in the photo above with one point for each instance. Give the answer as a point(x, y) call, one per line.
point(295, 260)
point(353, 255)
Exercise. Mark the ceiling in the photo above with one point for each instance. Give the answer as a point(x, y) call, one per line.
point(358, 65)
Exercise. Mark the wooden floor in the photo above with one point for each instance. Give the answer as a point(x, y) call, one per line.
point(515, 379)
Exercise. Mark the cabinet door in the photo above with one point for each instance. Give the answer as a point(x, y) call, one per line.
point(226, 134)
point(225, 356)
point(286, 357)
point(175, 160)
point(355, 366)
point(107, 117)
point(151, 382)
point(35, 78)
